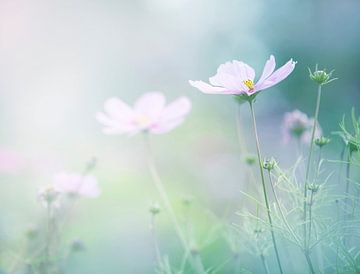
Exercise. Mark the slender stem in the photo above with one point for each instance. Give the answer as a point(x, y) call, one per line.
point(308, 259)
point(242, 144)
point(348, 164)
point(160, 188)
point(263, 185)
point(281, 211)
point(48, 237)
point(347, 199)
point(309, 161)
point(155, 242)
point(310, 215)
point(264, 263)
point(312, 197)
point(337, 246)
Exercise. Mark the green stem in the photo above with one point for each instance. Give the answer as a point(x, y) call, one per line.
point(309, 163)
point(263, 185)
point(348, 164)
point(156, 244)
point(197, 264)
point(48, 237)
point(308, 259)
point(281, 211)
point(347, 199)
point(310, 215)
point(264, 263)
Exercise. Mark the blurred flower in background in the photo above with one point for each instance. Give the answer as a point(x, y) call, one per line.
point(298, 125)
point(10, 161)
point(149, 114)
point(76, 185)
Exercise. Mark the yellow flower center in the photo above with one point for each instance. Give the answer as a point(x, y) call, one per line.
point(142, 120)
point(249, 83)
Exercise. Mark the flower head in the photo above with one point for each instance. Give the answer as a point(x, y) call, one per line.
point(238, 78)
point(148, 114)
point(76, 184)
point(296, 124)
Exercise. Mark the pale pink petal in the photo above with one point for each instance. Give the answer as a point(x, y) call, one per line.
point(117, 109)
point(268, 69)
point(115, 126)
point(105, 120)
point(279, 75)
point(89, 187)
point(227, 68)
point(151, 104)
point(206, 88)
point(76, 184)
point(176, 109)
point(237, 69)
point(166, 126)
point(243, 70)
point(113, 131)
point(10, 161)
point(232, 84)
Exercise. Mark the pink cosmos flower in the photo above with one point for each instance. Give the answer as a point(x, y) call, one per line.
point(10, 161)
point(148, 114)
point(76, 184)
point(297, 124)
point(237, 78)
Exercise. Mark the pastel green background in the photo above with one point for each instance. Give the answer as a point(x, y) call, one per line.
point(60, 60)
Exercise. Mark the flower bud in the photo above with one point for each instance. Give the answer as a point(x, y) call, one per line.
point(313, 187)
point(154, 209)
point(77, 246)
point(187, 201)
point(321, 76)
point(48, 195)
point(258, 230)
point(31, 232)
point(194, 249)
point(269, 164)
point(322, 141)
point(250, 159)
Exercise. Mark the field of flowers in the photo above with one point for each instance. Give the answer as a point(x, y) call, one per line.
point(116, 158)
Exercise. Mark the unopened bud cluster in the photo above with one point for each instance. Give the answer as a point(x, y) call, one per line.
point(321, 76)
point(269, 164)
point(48, 195)
point(77, 246)
point(250, 159)
point(154, 209)
point(187, 201)
point(322, 141)
point(313, 187)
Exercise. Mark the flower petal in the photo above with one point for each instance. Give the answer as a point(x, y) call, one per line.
point(232, 84)
point(151, 104)
point(206, 88)
point(117, 109)
point(268, 69)
point(243, 70)
point(237, 69)
point(89, 187)
point(279, 75)
point(166, 126)
point(177, 109)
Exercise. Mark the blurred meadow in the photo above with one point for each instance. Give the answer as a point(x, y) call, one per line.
point(61, 60)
